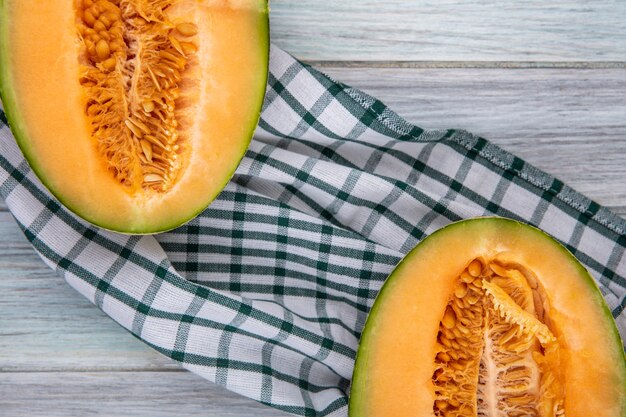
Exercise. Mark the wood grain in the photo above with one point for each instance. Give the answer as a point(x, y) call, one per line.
point(569, 123)
point(129, 394)
point(544, 80)
point(451, 30)
point(46, 325)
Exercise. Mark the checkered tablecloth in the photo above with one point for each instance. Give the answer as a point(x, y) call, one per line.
point(267, 291)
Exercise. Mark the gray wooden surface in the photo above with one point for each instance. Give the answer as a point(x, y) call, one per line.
point(546, 81)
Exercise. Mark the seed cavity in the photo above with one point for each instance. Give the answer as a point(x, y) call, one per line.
point(497, 353)
point(135, 66)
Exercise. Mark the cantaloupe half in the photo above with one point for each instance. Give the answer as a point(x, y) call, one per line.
point(489, 317)
point(134, 113)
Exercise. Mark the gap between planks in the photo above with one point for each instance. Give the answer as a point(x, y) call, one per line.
point(91, 370)
point(469, 64)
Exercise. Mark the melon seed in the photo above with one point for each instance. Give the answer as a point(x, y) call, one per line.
point(109, 64)
point(453, 354)
point(441, 405)
point(461, 290)
point(187, 29)
point(498, 269)
point(531, 278)
point(99, 26)
point(154, 79)
point(148, 106)
point(155, 141)
point(449, 319)
point(102, 49)
point(444, 341)
point(106, 21)
point(475, 268)
point(152, 178)
point(147, 149)
point(176, 45)
point(466, 277)
point(508, 335)
point(188, 48)
point(472, 298)
point(538, 304)
point(453, 402)
point(88, 18)
point(136, 131)
point(140, 125)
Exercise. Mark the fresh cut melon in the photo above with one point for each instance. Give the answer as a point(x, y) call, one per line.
point(494, 318)
point(134, 113)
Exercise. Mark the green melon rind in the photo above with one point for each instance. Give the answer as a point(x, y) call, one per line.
point(9, 101)
point(359, 377)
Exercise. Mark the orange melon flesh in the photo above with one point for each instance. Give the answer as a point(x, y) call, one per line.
point(45, 104)
point(395, 363)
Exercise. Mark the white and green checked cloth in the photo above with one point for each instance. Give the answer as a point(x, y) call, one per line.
point(267, 291)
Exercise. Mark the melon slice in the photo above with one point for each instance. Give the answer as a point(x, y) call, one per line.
point(489, 317)
point(134, 113)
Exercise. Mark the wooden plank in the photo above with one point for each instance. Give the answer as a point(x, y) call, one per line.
point(11, 236)
point(45, 325)
point(569, 123)
point(127, 394)
point(451, 30)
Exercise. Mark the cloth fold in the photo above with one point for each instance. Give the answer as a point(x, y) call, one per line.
point(267, 291)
